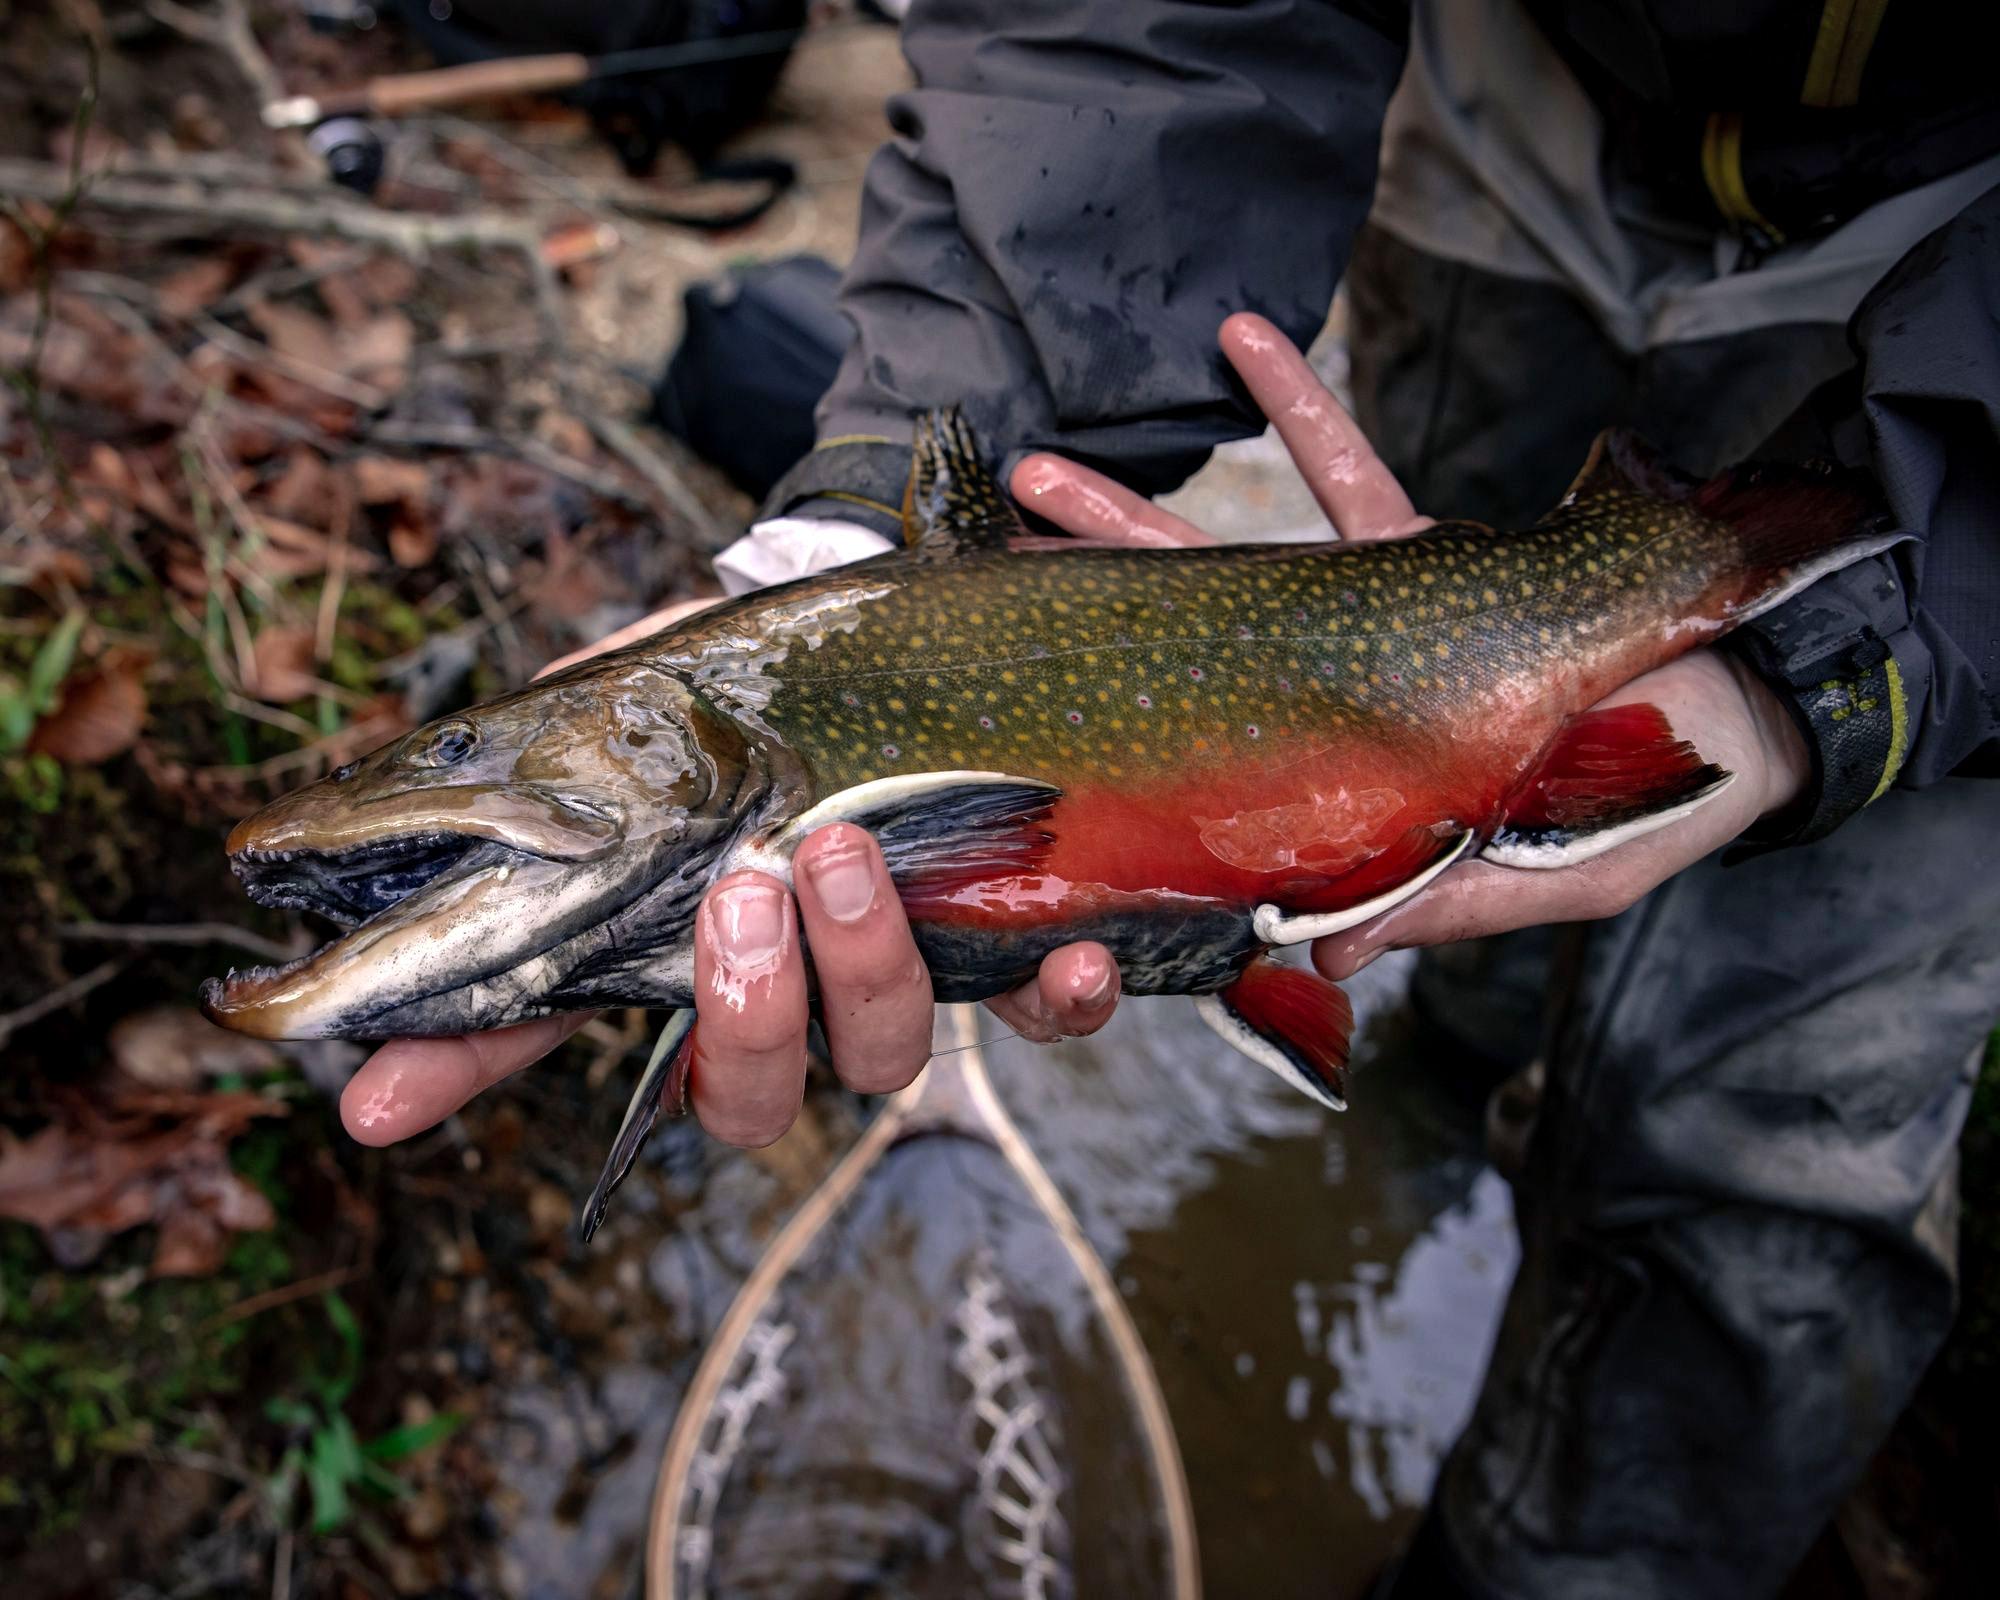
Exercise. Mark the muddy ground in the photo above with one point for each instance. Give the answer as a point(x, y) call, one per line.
point(277, 489)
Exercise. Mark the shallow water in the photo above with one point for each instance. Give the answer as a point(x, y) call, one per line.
point(1316, 1293)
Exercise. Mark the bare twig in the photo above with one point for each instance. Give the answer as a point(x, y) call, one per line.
point(177, 933)
point(58, 997)
point(654, 467)
point(283, 1295)
point(64, 193)
point(319, 213)
point(229, 31)
point(461, 436)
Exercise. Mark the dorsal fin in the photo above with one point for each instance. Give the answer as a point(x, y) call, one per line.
point(952, 504)
point(1622, 464)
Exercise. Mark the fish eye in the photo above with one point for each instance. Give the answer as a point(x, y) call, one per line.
point(450, 744)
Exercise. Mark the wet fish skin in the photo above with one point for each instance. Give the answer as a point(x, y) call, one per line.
point(1140, 746)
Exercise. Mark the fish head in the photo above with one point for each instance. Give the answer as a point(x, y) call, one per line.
point(476, 862)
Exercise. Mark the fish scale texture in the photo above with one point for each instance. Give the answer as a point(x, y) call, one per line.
point(1112, 664)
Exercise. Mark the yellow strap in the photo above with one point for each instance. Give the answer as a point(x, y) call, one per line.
point(1899, 729)
point(1722, 170)
point(1846, 35)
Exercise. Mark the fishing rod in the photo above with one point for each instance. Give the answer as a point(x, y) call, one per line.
point(400, 93)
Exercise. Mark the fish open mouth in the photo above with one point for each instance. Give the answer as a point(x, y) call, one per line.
point(369, 889)
point(349, 886)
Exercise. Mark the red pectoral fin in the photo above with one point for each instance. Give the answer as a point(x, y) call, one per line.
point(1611, 775)
point(1290, 1020)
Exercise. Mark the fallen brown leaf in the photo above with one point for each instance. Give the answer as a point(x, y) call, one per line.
point(295, 332)
point(17, 258)
point(136, 1158)
point(412, 544)
point(378, 352)
point(176, 1047)
point(283, 658)
point(387, 480)
point(195, 286)
point(304, 491)
point(99, 713)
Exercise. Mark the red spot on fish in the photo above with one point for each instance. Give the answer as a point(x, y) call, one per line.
point(1075, 717)
point(1284, 686)
point(1195, 673)
point(986, 722)
point(1166, 605)
point(891, 751)
point(1145, 702)
point(850, 699)
point(1252, 730)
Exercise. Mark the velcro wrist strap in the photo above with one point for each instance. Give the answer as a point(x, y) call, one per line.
point(1854, 711)
point(863, 473)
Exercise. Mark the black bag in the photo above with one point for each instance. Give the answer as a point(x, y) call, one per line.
point(696, 106)
point(761, 346)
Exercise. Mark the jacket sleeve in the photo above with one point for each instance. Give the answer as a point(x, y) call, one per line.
point(1892, 666)
point(1076, 195)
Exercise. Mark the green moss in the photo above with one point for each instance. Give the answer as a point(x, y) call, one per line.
point(108, 1363)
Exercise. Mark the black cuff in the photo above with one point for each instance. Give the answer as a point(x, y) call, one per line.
point(1853, 709)
point(860, 479)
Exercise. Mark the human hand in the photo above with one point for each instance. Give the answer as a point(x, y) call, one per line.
point(748, 1075)
point(1712, 701)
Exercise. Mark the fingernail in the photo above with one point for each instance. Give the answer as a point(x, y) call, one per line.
point(1094, 994)
point(1036, 476)
point(749, 923)
point(845, 883)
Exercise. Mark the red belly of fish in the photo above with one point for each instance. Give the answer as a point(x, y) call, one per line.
point(1307, 835)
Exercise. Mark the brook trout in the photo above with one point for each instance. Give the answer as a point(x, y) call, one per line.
point(1191, 755)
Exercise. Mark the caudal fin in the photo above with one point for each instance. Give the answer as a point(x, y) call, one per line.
point(1793, 523)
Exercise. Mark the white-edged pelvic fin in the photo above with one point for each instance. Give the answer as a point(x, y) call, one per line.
point(641, 1112)
point(870, 805)
point(1232, 1029)
point(1545, 852)
point(1273, 926)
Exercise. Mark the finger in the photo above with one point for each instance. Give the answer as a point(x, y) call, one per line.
point(1092, 506)
point(874, 990)
point(1479, 898)
point(1359, 495)
point(1073, 994)
point(412, 1084)
point(633, 632)
point(749, 1070)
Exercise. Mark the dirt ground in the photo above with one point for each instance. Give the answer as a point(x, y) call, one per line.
point(287, 471)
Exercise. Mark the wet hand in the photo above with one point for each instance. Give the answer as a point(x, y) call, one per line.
point(750, 1042)
point(1715, 703)
point(1712, 701)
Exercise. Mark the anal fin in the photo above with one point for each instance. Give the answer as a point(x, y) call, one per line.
point(1610, 776)
point(1290, 1020)
point(662, 1088)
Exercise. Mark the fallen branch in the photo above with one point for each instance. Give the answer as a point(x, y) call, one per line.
point(177, 933)
point(321, 213)
point(643, 459)
point(283, 1295)
point(59, 997)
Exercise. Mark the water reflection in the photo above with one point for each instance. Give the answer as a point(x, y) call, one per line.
point(1317, 1294)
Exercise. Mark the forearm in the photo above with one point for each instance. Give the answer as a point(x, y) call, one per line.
point(1893, 666)
point(1077, 195)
